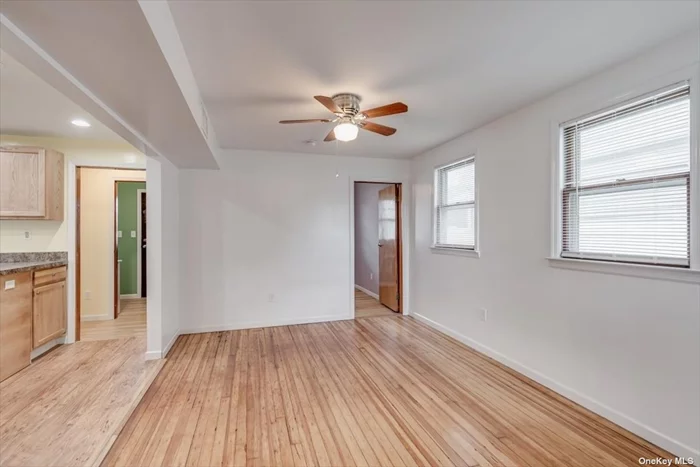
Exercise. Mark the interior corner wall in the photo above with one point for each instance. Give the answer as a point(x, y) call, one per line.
point(627, 348)
point(163, 257)
point(268, 238)
point(367, 235)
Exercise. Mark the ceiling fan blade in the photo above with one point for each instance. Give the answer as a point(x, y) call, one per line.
point(377, 128)
point(329, 104)
point(311, 120)
point(391, 109)
point(330, 136)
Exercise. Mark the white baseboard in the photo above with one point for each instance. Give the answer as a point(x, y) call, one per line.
point(158, 354)
point(129, 295)
point(170, 344)
point(96, 317)
point(591, 404)
point(263, 324)
point(371, 294)
point(46, 347)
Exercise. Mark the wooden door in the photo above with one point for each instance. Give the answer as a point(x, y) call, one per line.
point(143, 251)
point(389, 292)
point(15, 322)
point(49, 312)
point(22, 184)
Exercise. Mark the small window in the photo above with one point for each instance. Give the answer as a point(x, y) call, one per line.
point(455, 206)
point(626, 182)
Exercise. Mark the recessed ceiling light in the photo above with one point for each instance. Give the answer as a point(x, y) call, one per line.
point(81, 123)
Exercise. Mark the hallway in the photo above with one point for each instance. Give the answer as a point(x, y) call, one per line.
point(131, 322)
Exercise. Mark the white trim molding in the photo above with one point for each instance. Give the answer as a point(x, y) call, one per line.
point(636, 427)
point(264, 324)
point(467, 252)
point(103, 317)
point(128, 296)
point(628, 269)
point(367, 291)
point(42, 349)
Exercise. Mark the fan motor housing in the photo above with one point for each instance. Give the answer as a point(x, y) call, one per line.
point(348, 103)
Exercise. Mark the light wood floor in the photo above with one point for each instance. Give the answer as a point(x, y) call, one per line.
point(372, 392)
point(67, 408)
point(131, 322)
point(368, 307)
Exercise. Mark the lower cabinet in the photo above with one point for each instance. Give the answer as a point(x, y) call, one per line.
point(49, 314)
point(15, 322)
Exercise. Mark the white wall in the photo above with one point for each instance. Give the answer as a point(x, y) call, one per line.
point(626, 347)
point(268, 238)
point(52, 235)
point(162, 232)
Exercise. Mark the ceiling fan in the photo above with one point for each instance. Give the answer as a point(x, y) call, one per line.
point(350, 119)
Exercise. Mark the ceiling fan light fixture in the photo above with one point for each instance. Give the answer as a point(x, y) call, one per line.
point(346, 131)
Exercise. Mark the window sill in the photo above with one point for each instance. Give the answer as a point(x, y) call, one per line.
point(455, 251)
point(623, 269)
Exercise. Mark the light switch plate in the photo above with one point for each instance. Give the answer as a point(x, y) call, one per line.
point(119, 234)
point(10, 284)
point(133, 234)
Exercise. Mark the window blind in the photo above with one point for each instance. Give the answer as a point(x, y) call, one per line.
point(455, 205)
point(626, 182)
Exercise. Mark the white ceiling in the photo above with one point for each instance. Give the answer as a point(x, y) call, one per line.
point(457, 65)
point(31, 107)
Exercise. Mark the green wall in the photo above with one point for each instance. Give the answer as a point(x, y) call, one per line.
point(127, 219)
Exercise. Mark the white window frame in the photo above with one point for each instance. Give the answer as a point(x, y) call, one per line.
point(691, 274)
point(472, 252)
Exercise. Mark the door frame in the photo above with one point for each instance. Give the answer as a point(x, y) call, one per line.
point(402, 224)
point(73, 234)
point(139, 243)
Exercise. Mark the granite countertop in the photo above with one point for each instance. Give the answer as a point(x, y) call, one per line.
point(11, 263)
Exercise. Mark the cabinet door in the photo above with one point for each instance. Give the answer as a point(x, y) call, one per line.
point(22, 184)
point(49, 312)
point(15, 322)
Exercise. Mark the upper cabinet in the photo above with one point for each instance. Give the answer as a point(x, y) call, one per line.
point(31, 183)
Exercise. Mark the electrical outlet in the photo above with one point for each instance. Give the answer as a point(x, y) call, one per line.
point(483, 314)
point(371, 275)
point(27, 235)
point(88, 295)
point(10, 284)
point(119, 234)
point(133, 234)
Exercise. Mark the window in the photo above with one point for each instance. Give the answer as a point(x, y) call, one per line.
point(455, 206)
point(626, 182)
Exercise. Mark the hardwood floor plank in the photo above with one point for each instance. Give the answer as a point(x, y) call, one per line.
point(381, 391)
point(67, 408)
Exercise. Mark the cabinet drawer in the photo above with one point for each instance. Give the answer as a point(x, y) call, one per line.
point(48, 276)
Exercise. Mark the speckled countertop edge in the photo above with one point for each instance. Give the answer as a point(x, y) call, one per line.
point(11, 263)
point(12, 268)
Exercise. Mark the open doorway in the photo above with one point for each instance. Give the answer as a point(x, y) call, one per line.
point(110, 238)
point(378, 268)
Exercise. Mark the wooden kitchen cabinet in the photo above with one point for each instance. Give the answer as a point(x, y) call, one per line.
point(31, 183)
point(15, 323)
point(49, 314)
